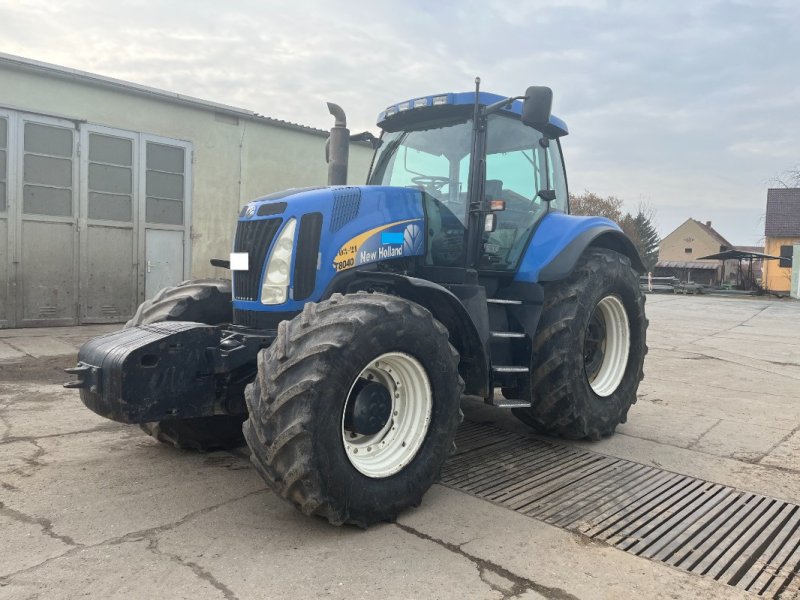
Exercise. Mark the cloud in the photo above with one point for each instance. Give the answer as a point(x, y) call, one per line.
point(692, 105)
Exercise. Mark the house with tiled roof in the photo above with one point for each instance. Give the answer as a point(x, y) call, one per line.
point(782, 233)
point(679, 254)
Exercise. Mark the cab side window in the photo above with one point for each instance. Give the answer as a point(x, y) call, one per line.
point(516, 162)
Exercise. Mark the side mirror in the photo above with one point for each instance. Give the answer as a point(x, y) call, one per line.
point(537, 106)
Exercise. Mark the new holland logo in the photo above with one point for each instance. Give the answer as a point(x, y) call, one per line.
point(251, 210)
point(394, 240)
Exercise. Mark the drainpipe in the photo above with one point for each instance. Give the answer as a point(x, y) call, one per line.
point(337, 147)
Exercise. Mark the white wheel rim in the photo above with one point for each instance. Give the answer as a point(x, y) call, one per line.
point(397, 443)
point(616, 346)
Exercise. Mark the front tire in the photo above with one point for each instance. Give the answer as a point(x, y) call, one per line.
point(304, 431)
point(589, 349)
point(205, 301)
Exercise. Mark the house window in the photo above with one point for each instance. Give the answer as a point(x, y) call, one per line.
point(786, 257)
point(687, 250)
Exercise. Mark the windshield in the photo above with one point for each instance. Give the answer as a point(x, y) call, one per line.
point(434, 160)
point(515, 163)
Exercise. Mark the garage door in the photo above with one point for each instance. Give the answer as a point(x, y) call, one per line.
point(46, 211)
point(79, 205)
point(6, 263)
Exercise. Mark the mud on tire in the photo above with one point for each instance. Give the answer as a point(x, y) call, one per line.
point(296, 406)
point(203, 301)
point(563, 401)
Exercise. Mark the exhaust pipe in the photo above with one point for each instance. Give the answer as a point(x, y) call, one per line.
point(337, 147)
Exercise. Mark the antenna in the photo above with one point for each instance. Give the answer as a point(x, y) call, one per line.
point(477, 104)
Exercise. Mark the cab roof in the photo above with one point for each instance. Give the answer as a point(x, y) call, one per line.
point(435, 103)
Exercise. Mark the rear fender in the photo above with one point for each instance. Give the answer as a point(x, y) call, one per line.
point(561, 239)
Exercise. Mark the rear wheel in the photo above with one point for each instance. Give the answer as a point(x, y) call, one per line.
point(355, 407)
point(202, 301)
point(589, 349)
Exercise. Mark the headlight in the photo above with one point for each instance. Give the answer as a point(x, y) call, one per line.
point(275, 289)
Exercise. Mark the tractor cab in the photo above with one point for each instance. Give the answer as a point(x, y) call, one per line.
point(474, 164)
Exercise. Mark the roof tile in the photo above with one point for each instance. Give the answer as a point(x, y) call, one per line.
point(783, 213)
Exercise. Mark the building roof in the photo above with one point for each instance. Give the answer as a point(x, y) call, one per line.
point(739, 255)
point(34, 66)
point(783, 213)
point(713, 233)
point(687, 264)
point(755, 249)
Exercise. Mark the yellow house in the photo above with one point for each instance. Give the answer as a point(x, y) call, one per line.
point(782, 232)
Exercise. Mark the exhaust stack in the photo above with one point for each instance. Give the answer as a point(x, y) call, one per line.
point(337, 147)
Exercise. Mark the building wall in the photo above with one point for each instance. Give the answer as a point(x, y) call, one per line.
point(687, 235)
point(235, 158)
point(777, 278)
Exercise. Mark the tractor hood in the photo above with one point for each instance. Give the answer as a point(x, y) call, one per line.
point(336, 229)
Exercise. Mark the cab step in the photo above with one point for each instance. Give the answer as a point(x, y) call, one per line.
point(507, 334)
point(506, 403)
point(503, 301)
point(509, 369)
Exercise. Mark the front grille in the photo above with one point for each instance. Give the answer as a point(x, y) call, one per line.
point(253, 237)
point(261, 319)
point(305, 262)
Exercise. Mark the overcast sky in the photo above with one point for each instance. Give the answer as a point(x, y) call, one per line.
point(690, 106)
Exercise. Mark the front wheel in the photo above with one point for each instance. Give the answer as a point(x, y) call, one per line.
point(355, 407)
point(589, 349)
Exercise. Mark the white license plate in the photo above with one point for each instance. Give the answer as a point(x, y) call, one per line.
point(240, 261)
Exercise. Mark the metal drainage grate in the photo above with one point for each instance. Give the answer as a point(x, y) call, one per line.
point(745, 540)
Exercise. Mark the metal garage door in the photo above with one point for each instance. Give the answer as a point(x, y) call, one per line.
point(165, 178)
point(46, 245)
point(6, 264)
point(91, 220)
point(108, 232)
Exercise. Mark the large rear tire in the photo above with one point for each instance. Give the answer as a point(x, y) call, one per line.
point(202, 301)
point(589, 349)
point(373, 357)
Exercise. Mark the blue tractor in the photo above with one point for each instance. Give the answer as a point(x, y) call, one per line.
point(358, 316)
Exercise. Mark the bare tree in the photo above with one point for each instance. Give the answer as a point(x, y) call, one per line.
point(788, 179)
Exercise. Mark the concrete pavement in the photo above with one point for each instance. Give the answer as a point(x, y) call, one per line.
point(96, 509)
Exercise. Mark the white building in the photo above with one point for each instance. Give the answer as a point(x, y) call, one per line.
point(110, 190)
